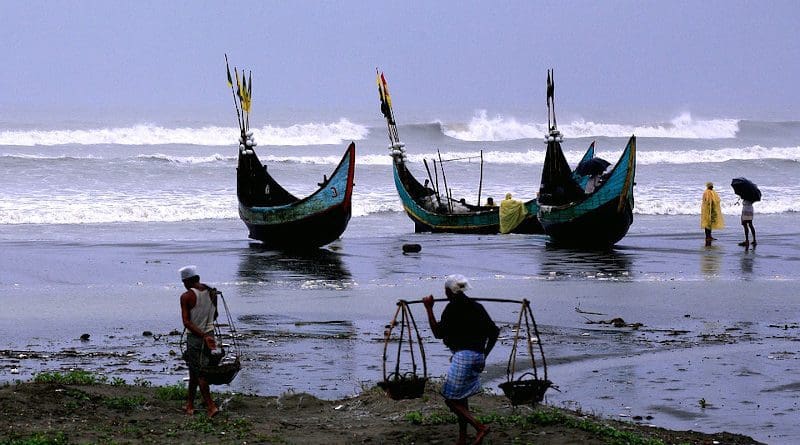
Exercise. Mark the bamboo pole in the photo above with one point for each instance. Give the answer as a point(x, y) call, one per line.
point(444, 178)
point(480, 182)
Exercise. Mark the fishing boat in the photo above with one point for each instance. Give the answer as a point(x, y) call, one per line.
point(272, 214)
point(433, 209)
point(573, 214)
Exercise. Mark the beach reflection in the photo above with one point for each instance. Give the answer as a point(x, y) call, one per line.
point(710, 261)
point(746, 263)
point(259, 264)
point(600, 264)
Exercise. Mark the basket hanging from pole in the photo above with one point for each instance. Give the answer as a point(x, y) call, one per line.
point(530, 387)
point(223, 368)
point(399, 384)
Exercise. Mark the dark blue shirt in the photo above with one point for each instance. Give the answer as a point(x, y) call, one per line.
point(465, 324)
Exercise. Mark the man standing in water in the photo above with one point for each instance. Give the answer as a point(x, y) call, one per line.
point(198, 312)
point(469, 332)
point(711, 212)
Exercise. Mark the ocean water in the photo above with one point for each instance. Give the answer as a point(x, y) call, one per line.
point(87, 172)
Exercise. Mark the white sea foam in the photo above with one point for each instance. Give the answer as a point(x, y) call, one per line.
point(85, 208)
point(500, 128)
point(187, 159)
point(147, 134)
point(677, 201)
point(643, 157)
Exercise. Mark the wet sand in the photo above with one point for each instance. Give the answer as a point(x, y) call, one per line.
point(717, 325)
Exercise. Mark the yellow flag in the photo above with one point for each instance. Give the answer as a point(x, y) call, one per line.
point(386, 96)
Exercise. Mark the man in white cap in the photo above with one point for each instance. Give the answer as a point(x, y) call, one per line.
point(198, 312)
point(469, 332)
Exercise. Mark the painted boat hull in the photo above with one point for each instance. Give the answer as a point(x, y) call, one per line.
point(601, 219)
point(305, 223)
point(483, 220)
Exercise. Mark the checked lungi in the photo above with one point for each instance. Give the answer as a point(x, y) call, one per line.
point(463, 377)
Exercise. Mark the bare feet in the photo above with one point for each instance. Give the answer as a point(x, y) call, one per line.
point(754, 243)
point(744, 243)
point(481, 433)
point(212, 411)
point(189, 410)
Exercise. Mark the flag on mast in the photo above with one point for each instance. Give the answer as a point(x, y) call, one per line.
point(249, 90)
point(228, 69)
point(383, 94)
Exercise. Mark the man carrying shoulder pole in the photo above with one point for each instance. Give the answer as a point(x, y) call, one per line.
point(469, 332)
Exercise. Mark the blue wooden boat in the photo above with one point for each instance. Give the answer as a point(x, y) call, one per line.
point(432, 211)
point(599, 219)
point(272, 214)
point(279, 219)
point(569, 215)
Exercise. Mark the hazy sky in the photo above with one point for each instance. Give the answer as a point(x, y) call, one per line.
point(627, 58)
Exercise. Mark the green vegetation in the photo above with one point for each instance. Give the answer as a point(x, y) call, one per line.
point(144, 383)
point(540, 417)
point(38, 439)
point(172, 392)
point(71, 378)
point(201, 424)
point(124, 403)
point(118, 381)
point(435, 418)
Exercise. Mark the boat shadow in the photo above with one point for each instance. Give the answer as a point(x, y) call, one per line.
point(259, 263)
point(611, 264)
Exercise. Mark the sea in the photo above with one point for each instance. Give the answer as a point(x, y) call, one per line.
point(76, 171)
point(99, 211)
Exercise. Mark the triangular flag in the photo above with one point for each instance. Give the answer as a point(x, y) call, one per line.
point(386, 95)
point(228, 69)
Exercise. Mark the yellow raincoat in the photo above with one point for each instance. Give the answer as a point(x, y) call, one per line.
point(512, 213)
point(711, 211)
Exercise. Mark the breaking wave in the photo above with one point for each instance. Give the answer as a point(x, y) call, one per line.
point(500, 128)
point(147, 134)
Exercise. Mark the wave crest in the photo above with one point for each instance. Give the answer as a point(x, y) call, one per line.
point(499, 128)
point(148, 134)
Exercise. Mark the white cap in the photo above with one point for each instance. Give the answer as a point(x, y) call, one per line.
point(456, 283)
point(188, 272)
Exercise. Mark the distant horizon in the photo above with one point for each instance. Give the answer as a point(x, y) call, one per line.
point(84, 117)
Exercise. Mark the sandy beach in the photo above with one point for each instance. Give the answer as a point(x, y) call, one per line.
point(708, 341)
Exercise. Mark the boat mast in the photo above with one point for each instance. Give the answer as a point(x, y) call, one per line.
point(552, 126)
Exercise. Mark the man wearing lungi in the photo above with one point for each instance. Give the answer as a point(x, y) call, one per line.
point(469, 332)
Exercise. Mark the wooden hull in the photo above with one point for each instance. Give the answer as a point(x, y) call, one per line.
point(481, 220)
point(305, 223)
point(603, 217)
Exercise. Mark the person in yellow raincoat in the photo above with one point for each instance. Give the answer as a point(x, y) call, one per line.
point(512, 213)
point(711, 213)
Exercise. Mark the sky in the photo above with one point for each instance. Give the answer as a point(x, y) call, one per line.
point(623, 60)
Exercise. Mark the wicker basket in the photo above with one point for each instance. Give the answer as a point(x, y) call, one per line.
point(522, 392)
point(221, 374)
point(408, 386)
